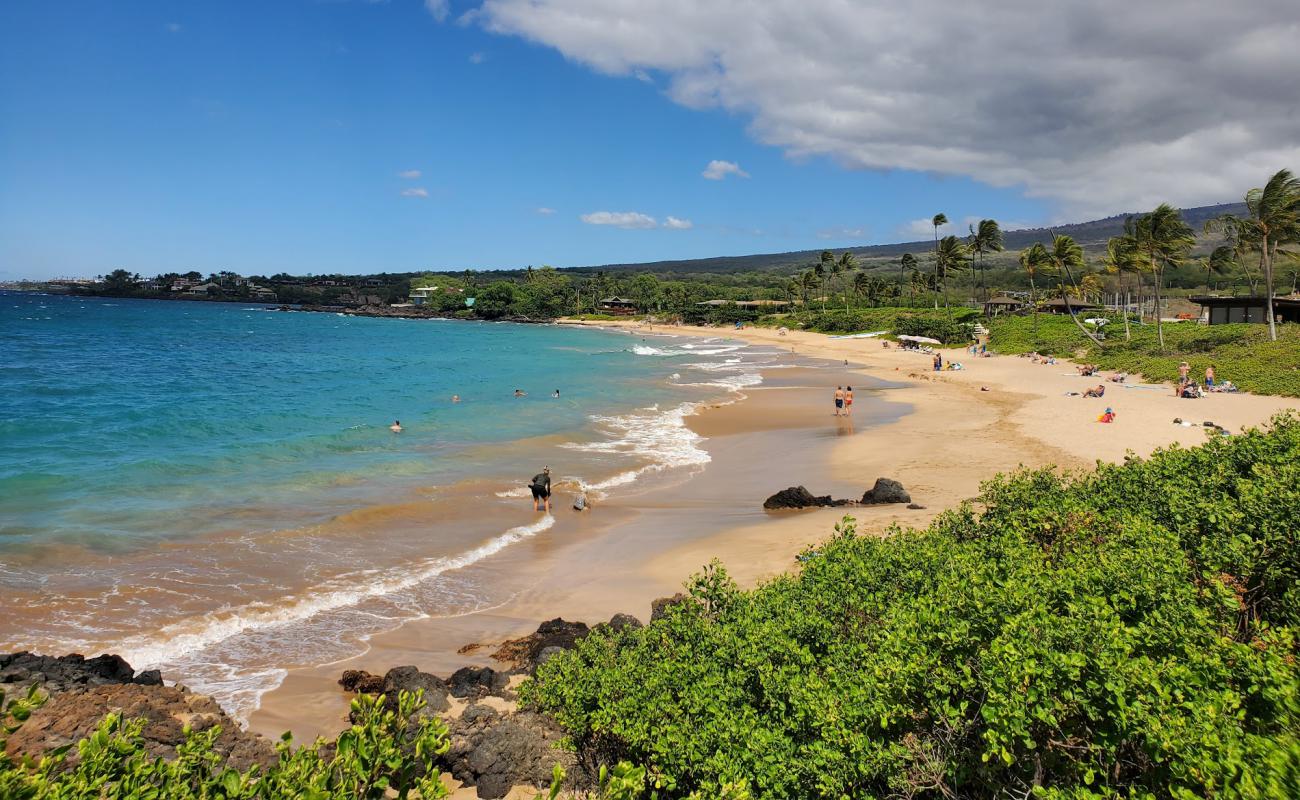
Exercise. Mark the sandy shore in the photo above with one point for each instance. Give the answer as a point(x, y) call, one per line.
point(941, 434)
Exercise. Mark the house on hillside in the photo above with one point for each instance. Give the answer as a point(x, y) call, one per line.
point(618, 305)
point(1223, 310)
point(1002, 304)
point(203, 289)
point(421, 295)
point(262, 294)
point(1066, 305)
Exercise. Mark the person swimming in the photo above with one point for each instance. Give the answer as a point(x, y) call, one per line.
point(396, 427)
point(541, 489)
point(455, 398)
point(557, 393)
point(520, 393)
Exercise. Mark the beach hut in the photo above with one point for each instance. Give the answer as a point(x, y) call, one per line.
point(1223, 310)
point(1066, 305)
point(618, 305)
point(1002, 304)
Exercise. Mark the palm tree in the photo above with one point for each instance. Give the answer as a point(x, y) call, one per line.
point(1033, 259)
point(863, 284)
point(1123, 259)
point(844, 265)
point(807, 280)
point(1220, 261)
point(937, 221)
point(1241, 236)
point(986, 238)
point(1065, 256)
point(1164, 241)
point(825, 265)
point(1275, 216)
point(950, 256)
point(906, 262)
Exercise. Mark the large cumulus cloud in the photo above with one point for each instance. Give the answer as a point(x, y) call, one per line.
point(1097, 105)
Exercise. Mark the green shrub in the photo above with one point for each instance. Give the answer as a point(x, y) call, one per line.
point(385, 754)
point(1126, 633)
point(952, 325)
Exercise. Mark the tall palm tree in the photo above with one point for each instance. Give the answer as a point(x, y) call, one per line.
point(1241, 236)
point(863, 284)
point(1033, 260)
point(1164, 241)
point(1220, 261)
point(807, 280)
point(950, 257)
point(906, 262)
point(1274, 213)
point(844, 265)
point(1064, 257)
point(825, 266)
point(1122, 258)
point(984, 238)
point(938, 220)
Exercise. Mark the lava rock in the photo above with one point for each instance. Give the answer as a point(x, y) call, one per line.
point(522, 653)
point(886, 490)
point(494, 752)
point(476, 682)
point(75, 714)
point(361, 682)
point(659, 608)
point(149, 677)
point(621, 622)
point(411, 679)
point(795, 497)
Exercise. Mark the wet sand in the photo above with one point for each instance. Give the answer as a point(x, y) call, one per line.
point(941, 434)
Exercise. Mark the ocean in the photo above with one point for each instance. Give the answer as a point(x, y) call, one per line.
point(212, 489)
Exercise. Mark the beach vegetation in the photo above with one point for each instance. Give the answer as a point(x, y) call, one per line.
point(386, 753)
point(1128, 632)
point(1241, 352)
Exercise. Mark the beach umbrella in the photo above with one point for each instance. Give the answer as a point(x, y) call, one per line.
point(907, 337)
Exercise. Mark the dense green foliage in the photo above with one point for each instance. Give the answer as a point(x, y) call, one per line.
point(1241, 353)
point(1128, 633)
point(952, 325)
point(385, 754)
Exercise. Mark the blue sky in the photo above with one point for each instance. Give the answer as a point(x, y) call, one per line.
point(272, 136)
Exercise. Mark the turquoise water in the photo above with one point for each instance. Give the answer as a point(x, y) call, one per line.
point(213, 488)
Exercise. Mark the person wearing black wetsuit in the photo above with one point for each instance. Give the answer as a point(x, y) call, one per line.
point(541, 487)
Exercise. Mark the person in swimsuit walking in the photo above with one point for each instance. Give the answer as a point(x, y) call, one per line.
point(848, 401)
point(541, 487)
point(839, 400)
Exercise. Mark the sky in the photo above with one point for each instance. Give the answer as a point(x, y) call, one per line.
point(355, 136)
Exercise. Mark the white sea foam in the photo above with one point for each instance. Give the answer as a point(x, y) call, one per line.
point(188, 636)
point(662, 437)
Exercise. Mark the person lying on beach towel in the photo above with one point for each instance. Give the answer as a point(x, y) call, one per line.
point(1098, 391)
point(1118, 377)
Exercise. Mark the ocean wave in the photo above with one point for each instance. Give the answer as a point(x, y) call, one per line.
point(660, 436)
point(186, 637)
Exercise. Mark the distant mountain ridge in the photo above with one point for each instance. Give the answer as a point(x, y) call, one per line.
point(1092, 235)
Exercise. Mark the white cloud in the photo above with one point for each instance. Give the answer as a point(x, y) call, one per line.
point(629, 220)
point(544, 211)
point(842, 233)
point(642, 76)
point(409, 174)
point(924, 228)
point(1100, 106)
point(418, 191)
point(477, 58)
point(717, 170)
point(678, 224)
point(438, 8)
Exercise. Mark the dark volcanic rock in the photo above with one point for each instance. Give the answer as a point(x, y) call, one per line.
point(494, 752)
point(149, 677)
point(795, 497)
point(411, 679)
point(59, 674)
point(74, 714)
point(886, 490)
point(621, 622)
point(476, 682)
point(522, 653)
point(659, 607)
point(361, 682)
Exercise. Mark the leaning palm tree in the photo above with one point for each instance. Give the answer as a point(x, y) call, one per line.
point(1241, 237)
point(1122, 258)
point(906, 262)
point(807, 280)
point(1164, 241)
point(1220, 261)
point(984, 238)
point(1033, 260)
point(863, 284)
point(1274, 213)
point(950, 257)
point(1064, 258)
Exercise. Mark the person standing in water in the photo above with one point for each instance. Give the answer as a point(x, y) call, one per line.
point(541, 488)
point(839, 400)
point(396, 427)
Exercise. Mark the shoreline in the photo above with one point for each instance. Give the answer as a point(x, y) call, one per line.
point(959, 429)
